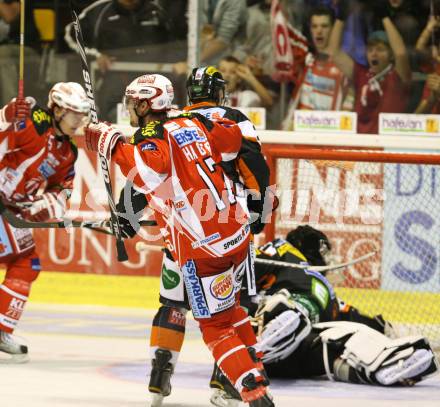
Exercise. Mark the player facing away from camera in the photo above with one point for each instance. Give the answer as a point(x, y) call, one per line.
point(204, 222)
point(249, 172)
point(36, 153)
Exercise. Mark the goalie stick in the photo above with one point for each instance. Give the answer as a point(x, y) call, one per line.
point(96, 225)
point(114, 222)
point(142, 246)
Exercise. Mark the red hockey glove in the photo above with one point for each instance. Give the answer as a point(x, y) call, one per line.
point(17, 109)
point(102, 138)
point(49, 205)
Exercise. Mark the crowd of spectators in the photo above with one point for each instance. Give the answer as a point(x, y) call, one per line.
point(363, 56)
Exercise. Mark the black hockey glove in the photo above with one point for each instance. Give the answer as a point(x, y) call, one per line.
point(129, 210)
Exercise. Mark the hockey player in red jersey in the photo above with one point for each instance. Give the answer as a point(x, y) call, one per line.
point(203, 219)
point(36, 154)
point(248, 171)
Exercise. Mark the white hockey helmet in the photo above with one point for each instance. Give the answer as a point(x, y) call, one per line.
point(69, 95)
point(156, 89)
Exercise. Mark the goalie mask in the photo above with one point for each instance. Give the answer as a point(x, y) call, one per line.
point(312, 243)
point(206, 84)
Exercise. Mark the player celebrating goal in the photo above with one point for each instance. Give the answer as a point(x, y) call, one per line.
point(176, 163)
point(36, 153)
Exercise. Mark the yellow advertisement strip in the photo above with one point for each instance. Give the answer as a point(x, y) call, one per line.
point(93, 289)
point(395, 306)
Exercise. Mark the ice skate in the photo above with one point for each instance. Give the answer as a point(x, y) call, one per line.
point(225, 394)
point(160, 379)
point(12, 350)
point(255, 393)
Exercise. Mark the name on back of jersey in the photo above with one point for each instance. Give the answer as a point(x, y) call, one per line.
point(192, 141)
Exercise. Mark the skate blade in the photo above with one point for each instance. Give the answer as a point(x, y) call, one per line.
point(220, 399)
point(156, 400)
point(8, 359)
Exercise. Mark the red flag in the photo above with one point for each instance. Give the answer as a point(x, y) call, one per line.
point(290, 46)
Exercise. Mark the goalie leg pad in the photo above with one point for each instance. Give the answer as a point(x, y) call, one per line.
point(369, 356)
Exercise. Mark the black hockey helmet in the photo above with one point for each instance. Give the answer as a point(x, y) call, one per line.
point(311, 242)
point(204, 84)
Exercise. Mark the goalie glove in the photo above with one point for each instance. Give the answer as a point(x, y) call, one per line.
point(282, 324)
point(49, 205)
point(102, 138)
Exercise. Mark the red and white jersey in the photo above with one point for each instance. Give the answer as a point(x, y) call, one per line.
point(323, 86)
point(35, 158)
point(177, 164)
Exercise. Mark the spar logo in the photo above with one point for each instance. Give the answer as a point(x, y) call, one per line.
point(222, 287)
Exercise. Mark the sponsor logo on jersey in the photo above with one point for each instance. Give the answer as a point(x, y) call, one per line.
point(46, 169)
point(35, 264)
point(15, 309)
point(222, 287)
point(320, 292)
point(194, 289)
point(206, 240)
point(150, 129)
point(180, 205)
point(149, 146)
point(39, 116)
point(237, 239)
point(187, 136)
point(170, 279)
point(176, 318)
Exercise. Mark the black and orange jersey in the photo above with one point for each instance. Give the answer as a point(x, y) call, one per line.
point(250, 167)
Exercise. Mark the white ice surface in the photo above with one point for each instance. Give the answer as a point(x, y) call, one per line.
point(98, 357)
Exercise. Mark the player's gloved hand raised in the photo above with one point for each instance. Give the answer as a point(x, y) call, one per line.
point(102, 138)
point(41, 208)
point(17, 109)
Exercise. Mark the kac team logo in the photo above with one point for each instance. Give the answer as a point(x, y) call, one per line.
point(222, 287)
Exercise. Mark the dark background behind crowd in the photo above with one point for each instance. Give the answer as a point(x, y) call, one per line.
point(378, 42)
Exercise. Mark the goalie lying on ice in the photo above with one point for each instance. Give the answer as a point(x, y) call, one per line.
point(305, 331)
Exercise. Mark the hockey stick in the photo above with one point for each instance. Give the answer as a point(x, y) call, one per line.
point(20, 96)
point(116, 228)
point(96, 225)
point(142, 246)
point(316, 268)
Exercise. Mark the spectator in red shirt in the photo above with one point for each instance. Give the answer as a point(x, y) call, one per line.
point(383, 86)
point(430, 102)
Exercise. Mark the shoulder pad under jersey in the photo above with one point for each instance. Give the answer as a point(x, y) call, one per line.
point(204, 120)
point(234, 114)
point(42, 119)
point(153, 129)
